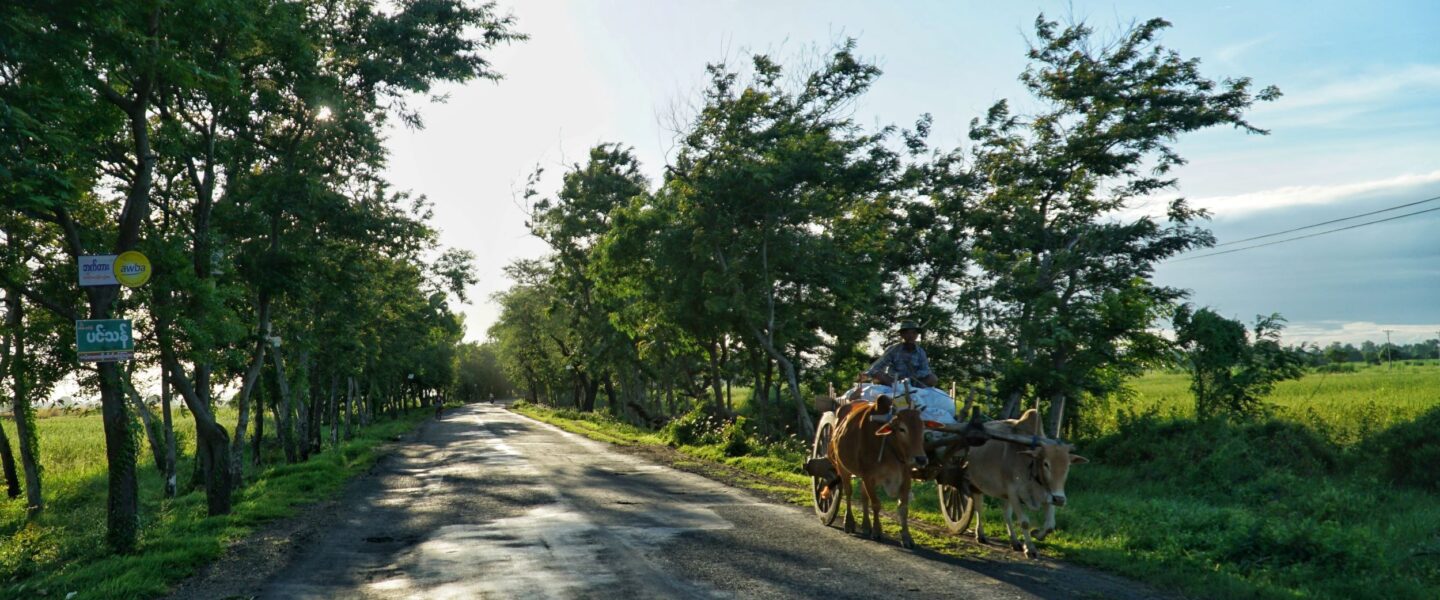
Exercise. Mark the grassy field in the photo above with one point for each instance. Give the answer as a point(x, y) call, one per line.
point(1330, 496)
point(64, 551)
point(1346, 407)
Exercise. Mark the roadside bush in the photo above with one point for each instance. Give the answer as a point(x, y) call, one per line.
point(1214, 456)
point(737, 440)
point(699, 427)
point(1409, 451)
point(1336, 368)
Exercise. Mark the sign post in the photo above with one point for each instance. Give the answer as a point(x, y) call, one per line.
point(104, 340)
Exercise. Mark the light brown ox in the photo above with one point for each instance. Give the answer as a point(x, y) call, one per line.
point(1025, 478)
point(881, 453)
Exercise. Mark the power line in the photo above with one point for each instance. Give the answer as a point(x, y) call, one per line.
point(1332, 221)
point(1357, 225)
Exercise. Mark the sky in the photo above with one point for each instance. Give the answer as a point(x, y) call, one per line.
point(1358, 129)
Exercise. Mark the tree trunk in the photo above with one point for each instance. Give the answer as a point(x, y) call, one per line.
point(714, 351)
point(367, 406)
point(7, 460)
point(286, 420)
point(1011, 409)
point(29, 438)
point(123, 505)
point(247, 387)
point(7, 456)
point(724, 363)
point(257, 445)
point(334, 412)
point(212, 442)
point(760, 398)
point(769, 379)
point(349, 405)
point(170, 456)
point(152, 434)
point(611, 404)
point(592, 390)
point(302, 414)
point(767, 342)
point(802, 412)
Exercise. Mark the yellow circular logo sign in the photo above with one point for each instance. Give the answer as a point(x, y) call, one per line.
point(132, 269)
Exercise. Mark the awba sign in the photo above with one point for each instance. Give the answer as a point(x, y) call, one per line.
point(132, 269)
point(104, 340)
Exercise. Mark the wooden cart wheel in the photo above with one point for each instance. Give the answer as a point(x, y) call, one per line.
point(827, 506)
point(957, 507)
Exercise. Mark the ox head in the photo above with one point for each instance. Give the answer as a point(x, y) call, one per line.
point(1050, 466)
point(904, 433)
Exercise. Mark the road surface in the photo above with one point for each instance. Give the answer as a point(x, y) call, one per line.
point(489, 504)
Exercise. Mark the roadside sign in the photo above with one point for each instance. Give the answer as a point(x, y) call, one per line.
point(104, 340)
point(98, 270)
point(132, 269)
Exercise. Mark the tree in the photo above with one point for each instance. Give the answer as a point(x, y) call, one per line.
point(1335, 353)
point(769, 183)
point(478, 373)
point(137, 125)
point(1067, 295)
point(1230, 372)
point(572, 224)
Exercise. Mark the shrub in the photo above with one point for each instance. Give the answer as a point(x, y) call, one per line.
point(1215, 456)
point(736, 439)
point(699, 427)
point(1409, 451)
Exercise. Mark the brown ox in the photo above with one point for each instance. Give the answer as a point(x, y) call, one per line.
point(1025, 478)
point(881, 451)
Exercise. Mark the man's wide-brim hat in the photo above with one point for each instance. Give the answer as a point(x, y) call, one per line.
point(909, 325)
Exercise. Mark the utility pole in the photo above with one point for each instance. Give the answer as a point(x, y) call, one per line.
point(1437, 344)
point(1389, 364)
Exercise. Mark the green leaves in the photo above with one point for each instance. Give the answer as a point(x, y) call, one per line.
point(1065, 275)
point(1231, 372)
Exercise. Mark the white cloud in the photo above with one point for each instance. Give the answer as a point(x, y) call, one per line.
point(1352, 332)
point(1355, 332)
point(1297, 195)
point(1342, 98)
point(1233, 52)
point(1362, 89)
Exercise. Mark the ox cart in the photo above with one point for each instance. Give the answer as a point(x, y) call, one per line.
point(946, 448)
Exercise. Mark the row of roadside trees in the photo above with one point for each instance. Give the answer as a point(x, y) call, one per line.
point(1370, 352)
point(237, 144)
point(783, 236)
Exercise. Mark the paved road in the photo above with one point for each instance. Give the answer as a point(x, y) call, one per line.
point(490, 504)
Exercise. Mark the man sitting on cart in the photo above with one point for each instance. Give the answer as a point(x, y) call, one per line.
point(905, 360)
point(904, 367)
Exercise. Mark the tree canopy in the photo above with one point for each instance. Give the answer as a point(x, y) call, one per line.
point(785, 239)
point(238, 145)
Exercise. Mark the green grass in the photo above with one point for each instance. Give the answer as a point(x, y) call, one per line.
point(1334, 494)
point(64, 550)
point(1347, 407)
